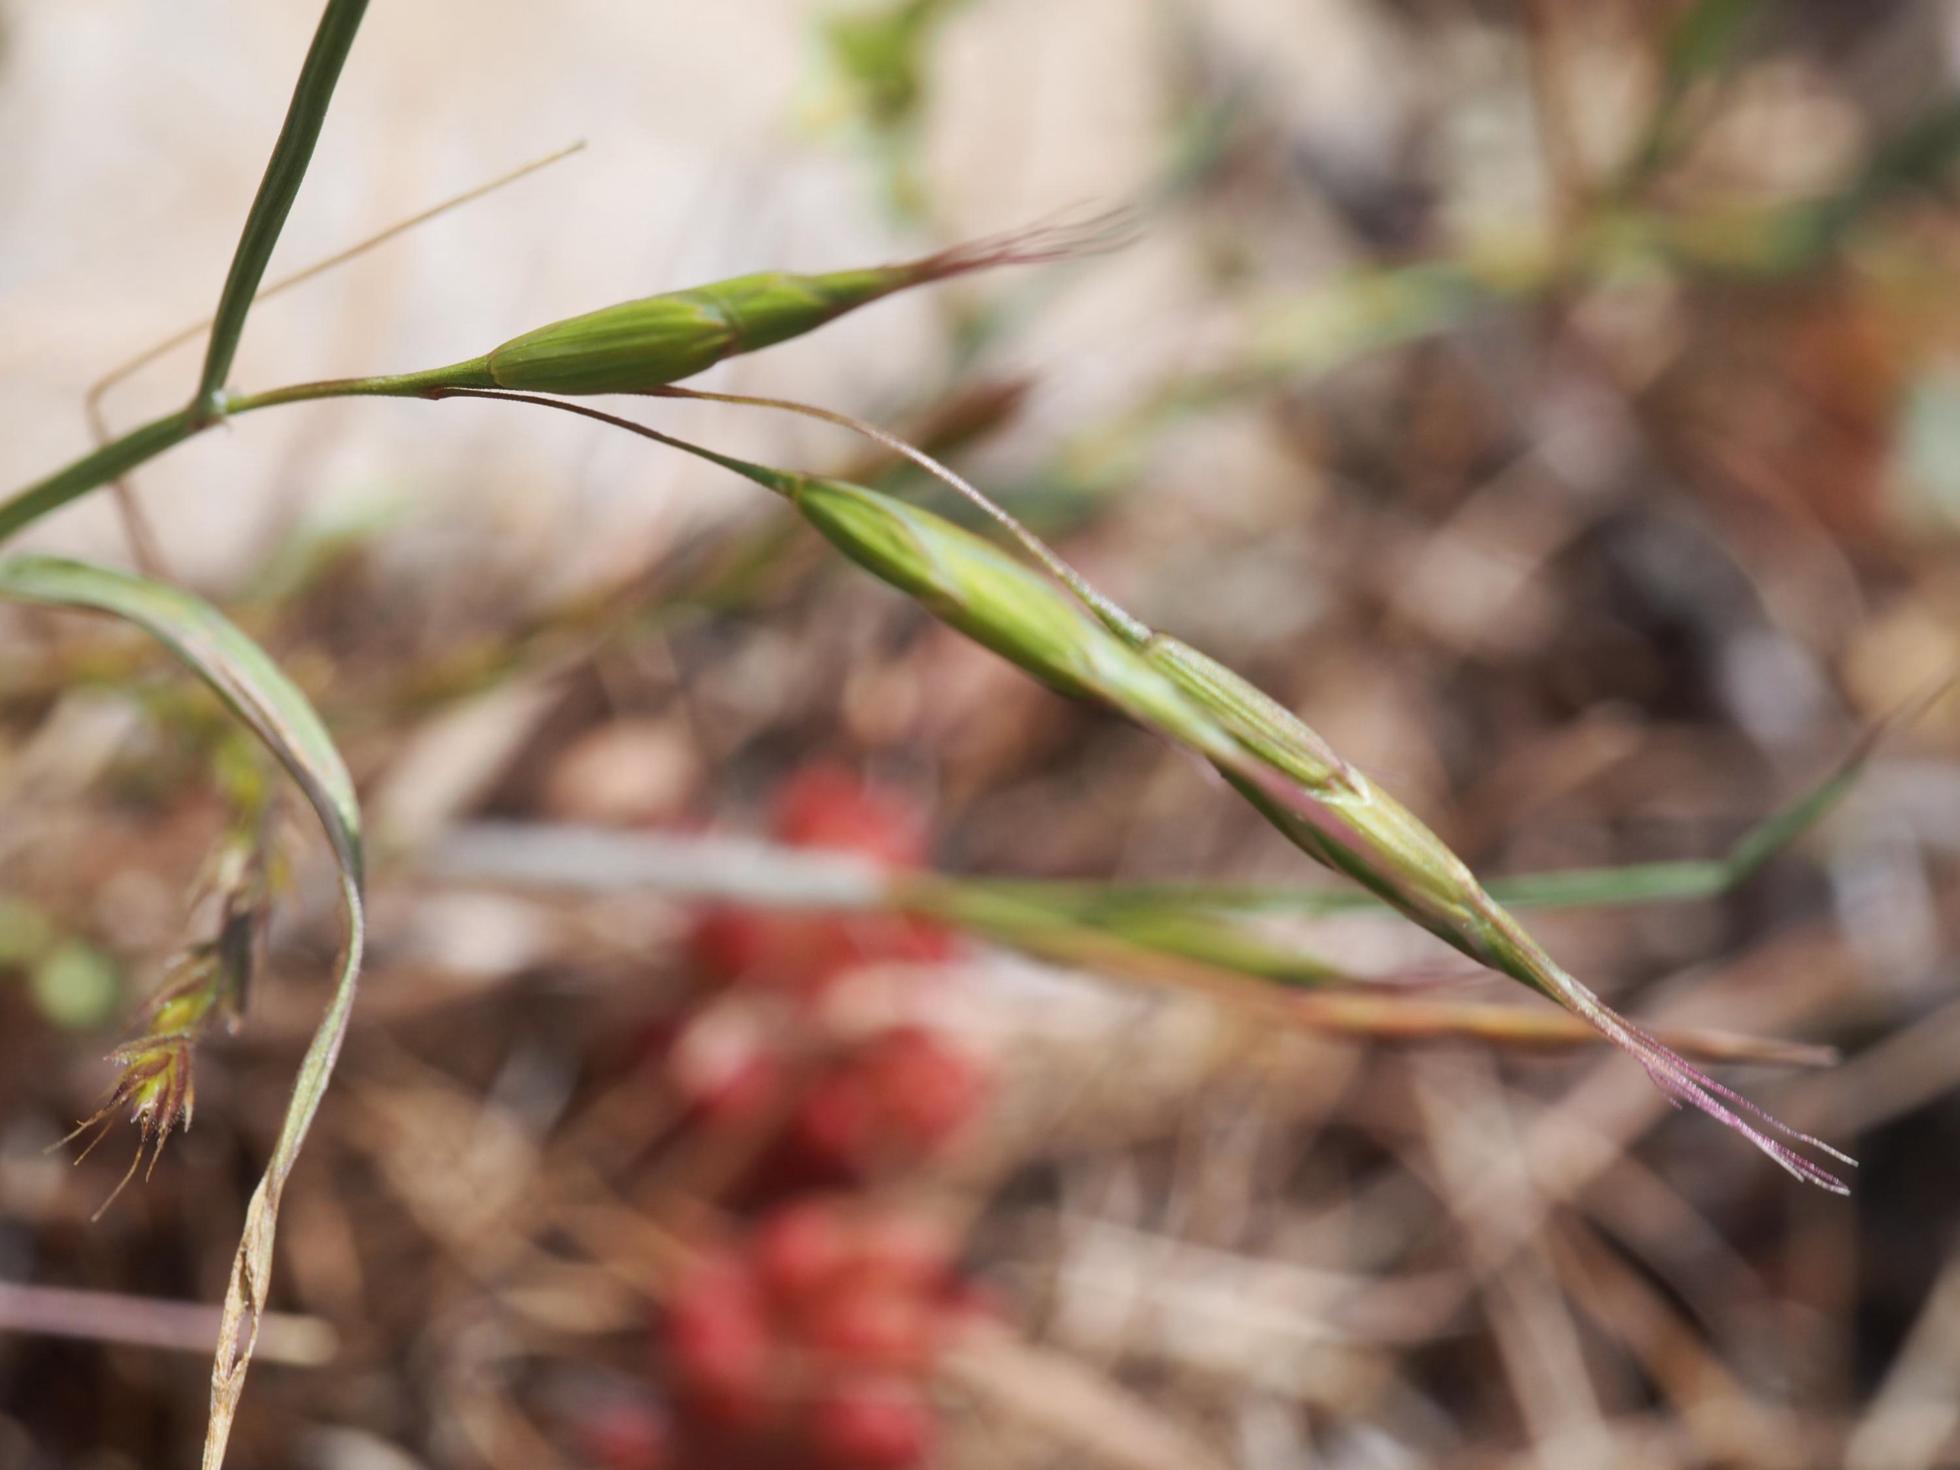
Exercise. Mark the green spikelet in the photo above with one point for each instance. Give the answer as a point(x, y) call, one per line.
point(642, 345)
point(1324, 805)
point(662, 339)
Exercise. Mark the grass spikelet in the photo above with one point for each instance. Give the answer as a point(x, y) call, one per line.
point(1351, 825)
point(638, 346)
point(204, 985)
point(157, 1084)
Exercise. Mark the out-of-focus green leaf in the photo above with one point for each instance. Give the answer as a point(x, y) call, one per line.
point(881, 52)
point(1705, 39)
point(75, 986)
point(1701, 43)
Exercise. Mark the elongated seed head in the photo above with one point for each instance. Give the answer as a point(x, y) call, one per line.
point(994, 599)
point(1353, 825)
point(619, 349)
point(1324, 805)
point(646, 344)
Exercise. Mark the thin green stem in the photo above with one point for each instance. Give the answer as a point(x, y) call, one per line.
point(145, 442)
point(277, 190)
point(113, 459)
point(774, 480)
point(1106, 611)
point(430, 383)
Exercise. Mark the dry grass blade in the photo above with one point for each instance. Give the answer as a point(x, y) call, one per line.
point(1179, 945)
point(1075, 1405)
point(1401, 1018)
point(182, 1327)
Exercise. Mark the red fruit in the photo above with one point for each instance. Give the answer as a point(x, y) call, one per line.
point(899, 938)
point(870, 1324)
point(828, 806)
point(729, 944)
point(718, 1344)
point(925, 1089)
point(813, 950)
point(871, 1423)
point(795, 953)
point(800, 1249)
point(835, 1125)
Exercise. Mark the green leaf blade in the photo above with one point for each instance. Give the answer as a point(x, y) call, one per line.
point(284, 171)
point(261, 695)
point(241, 672)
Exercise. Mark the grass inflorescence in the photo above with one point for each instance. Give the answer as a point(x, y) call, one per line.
point(203, 987)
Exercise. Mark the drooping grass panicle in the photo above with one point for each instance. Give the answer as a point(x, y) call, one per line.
point(1326, 806)
point(1349, 824)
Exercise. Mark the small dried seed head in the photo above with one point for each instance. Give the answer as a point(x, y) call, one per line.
point(157, 1085)
point(207, 982)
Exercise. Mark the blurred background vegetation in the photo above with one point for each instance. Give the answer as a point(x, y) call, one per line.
point(1557, 403)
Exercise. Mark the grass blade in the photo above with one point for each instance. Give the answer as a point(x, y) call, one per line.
point(1208, 954)
point(277, 190)
point(266, 700)
point(1629, 886)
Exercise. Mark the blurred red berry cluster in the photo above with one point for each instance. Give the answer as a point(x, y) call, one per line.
point(809, 1341)
point(775, 1041)
point(805, 955)
point(810, 1345)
